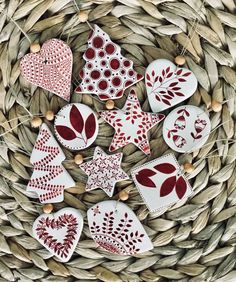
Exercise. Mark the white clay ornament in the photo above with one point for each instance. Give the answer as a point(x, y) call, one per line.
point(50, 68)
point(76, 126)
point(186, 128)
point(104, 171)
point(115, 228)
point(49, 178)
point(168, 85)
point(106, 73)
point(131, 124)
point(161, 182)
point(59, 232)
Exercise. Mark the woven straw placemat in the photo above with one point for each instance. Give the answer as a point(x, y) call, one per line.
point(194, 240)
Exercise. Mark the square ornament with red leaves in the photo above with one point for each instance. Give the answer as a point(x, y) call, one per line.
point(161, 182)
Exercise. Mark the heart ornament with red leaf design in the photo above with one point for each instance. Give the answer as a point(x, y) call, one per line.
point(116, 228)
point(186, 128)
point(168, 85)
point(59, 232)
point(76, 126)
point(50, 68)
point(161, 182)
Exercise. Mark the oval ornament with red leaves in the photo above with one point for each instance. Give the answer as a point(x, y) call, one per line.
point(76, 126)
point(168, 85)
point(186, 128)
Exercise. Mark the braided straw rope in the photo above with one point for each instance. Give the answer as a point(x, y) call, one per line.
point(194, 240)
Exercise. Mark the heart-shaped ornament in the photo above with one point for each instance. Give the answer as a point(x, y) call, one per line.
point(50, 68)
point(186, 128)
point(168, 85)
point(59, 233)
point(115, 228)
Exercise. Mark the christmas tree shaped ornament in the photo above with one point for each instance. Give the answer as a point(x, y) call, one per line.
point(59, 233)
point(106, 72)
point(76, 126)
point(104, 171)
point(186, 128)
point(168, 85)
point(161, 182)
point(50, 68)
point(131, 124)
point(115, 228)
point(49, 178)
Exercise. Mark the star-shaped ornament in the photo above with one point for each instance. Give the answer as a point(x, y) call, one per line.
point(104, 171)
point(131, 124)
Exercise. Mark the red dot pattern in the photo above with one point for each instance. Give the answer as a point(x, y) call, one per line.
point(109, 72)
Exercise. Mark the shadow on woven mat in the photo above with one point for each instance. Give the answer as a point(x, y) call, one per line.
point(194, 240)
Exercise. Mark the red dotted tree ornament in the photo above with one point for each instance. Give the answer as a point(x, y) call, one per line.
point(106, 72)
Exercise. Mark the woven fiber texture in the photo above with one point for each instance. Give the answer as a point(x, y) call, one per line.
point(193, 240)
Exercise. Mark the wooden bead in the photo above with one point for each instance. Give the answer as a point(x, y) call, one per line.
point(180, 60)
point(189, 168)
point(216, 106)
point(78, 159)
point(48, 208)
point(36, 122)
point(123, 195)
point(110, 104)
point(83, 16)
point(49, 115)
point(34, 48)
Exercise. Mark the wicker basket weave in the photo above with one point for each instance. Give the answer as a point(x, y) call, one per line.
point(194, 240)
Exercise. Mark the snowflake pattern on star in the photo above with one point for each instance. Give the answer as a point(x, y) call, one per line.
point(104, 171)
point(131, 124)
point(106, 72)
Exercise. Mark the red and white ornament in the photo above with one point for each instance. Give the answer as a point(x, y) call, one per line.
point(131, 124)
point(161, 182)
point(115, 228)
point(59, 232)
point(76, 126)
point(50, 68)
point(168, 84)
point(106, 72)
point(104, 171)
point(186, 128)
point(49, 178)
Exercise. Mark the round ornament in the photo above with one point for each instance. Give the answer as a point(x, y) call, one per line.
point(76, 126)
point(186, 128)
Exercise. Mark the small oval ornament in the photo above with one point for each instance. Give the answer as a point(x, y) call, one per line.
point(168, 85)
point(116, 228)
point(76, 126)
point(186, 128)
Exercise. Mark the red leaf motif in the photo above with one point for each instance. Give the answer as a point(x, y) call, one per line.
point(179, 71)
point(168, 69)
point(163, 72)
point(156, 79)
point(148, 77)
point(76, 119)
point(167, 186)
point(179, 94)
point(166, 102)
point(192, 135)
point(165, 168)
point(173, 84)
point(187, 74)
point(65, 132)
point(182, 79)
point(158, 99)
point(149, 84)
point(198, 136)
point(90, 126)
point(143, 177)
point(153, 73)
point(180, 187)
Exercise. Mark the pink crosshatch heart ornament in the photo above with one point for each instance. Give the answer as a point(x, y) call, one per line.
point(161, 182)
point(186, 128)
point(49, 178)
point(168, 85)
point(50, 68)
point(106, 72)
point(76, 126)
point(104, 171)
point(59, 232)
point(131, 124)
point(115, 228)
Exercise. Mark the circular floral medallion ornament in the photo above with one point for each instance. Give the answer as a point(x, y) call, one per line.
point(186, 128)
point(76, 126)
